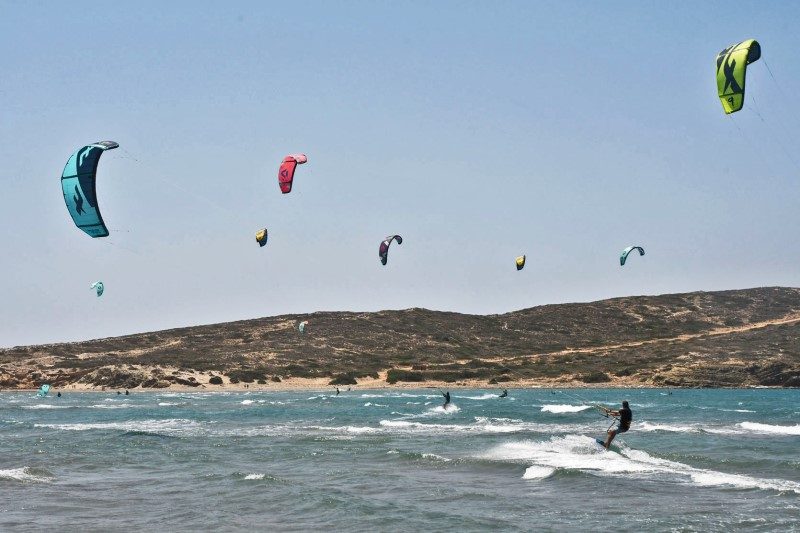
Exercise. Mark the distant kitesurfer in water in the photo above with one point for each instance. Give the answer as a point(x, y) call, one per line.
point(625, 418)
point(505, 393)
point(58, 395)
point(337, 391)
point(446, 399)
point(118, 393)
point(126, 392)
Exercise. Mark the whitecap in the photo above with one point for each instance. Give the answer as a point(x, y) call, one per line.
point(558, 409)
point(769, 428)
point(538, 472)
point(23, 474)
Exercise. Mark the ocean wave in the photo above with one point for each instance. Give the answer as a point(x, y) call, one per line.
point(486, 396)
point(247, 402)
point(111, 406)
point(538, 472)
point(769, 428)
point(563, 408)
point(439, 410)
point(435, 457)
point(370, 404)
point(481, 426)
point(168, 427)
point(647, 426)
point(45, 406)
point(25, 475)
point(582, 453)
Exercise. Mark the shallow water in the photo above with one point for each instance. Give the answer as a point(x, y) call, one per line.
point(695, 460)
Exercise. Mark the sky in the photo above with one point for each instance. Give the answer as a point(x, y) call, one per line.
point(478, 131)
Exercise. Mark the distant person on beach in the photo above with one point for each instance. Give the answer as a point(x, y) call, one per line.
point(625, 418)
point(505, 393)
point(446, 399)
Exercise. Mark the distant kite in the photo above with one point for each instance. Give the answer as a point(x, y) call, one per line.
point(383, 250)
point(78, 186)
point(43, 390)
point(731, 69)
point(301, 327)
point(628, 250)
point(520, 262)
point(286, 172)
point(98, 287)
point(261, 237)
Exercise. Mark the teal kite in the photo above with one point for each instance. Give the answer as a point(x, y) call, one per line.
point(98, 287)
point(78, 186)
point(43, 390)
point(628, 250)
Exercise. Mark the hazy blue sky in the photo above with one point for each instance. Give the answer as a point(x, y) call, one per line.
point(477, 130)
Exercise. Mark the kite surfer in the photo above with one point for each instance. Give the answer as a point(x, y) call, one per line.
point(625, 416)
point(446, 399)
point(505, 393)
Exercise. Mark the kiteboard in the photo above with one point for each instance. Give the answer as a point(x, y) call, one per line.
point(602, 443)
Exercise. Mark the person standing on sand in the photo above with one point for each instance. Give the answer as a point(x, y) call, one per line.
point(625, 418)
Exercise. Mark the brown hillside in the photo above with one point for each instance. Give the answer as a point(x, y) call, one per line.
point(727, 338)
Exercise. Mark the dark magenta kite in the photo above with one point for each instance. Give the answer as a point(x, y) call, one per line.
point(383, 250)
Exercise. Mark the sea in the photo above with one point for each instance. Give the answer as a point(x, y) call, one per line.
point(396, 460)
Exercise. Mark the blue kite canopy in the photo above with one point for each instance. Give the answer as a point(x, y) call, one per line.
point(78, 186)
point(98, 287)
point(43, 390)
point(628, 250)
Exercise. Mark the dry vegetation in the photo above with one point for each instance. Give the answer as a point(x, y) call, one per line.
point(728, 338)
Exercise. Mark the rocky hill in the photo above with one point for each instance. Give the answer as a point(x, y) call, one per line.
point(733, 338)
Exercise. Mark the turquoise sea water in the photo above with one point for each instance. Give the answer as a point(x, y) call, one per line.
point(391, 460)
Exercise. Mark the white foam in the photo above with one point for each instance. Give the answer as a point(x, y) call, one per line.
point(565, 408)
point(255, 476)
point(23, 474)
point(576, 452)
point(440, 410)
point(647, 426)
point(370, 404)
point(435, 457)
point(174, 426)
point(45, 406)
point(486, 396)
point(720, 479)
point(769, 428)
point(107, 406)
point(538, 472)
point(247, 402)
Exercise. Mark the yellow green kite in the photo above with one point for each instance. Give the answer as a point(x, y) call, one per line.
point(731, 68)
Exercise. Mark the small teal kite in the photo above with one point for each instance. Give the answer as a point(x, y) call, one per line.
point(98, 287)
